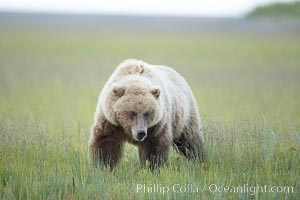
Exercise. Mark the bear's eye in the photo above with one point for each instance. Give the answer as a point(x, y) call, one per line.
point(146, 114)
point(132, 114)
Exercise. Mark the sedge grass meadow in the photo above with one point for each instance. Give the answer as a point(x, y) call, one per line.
point(247, 89)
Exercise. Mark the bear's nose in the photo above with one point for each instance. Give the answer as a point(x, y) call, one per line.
point(141, 134)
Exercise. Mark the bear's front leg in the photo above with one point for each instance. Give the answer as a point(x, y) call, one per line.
point(158, 156)
point(105, 149)
point(155, 151)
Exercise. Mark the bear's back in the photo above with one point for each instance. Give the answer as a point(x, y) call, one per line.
point(163, 75)
point(131, 67)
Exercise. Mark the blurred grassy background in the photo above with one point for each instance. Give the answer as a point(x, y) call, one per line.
point(246, 84)
point(277, 10)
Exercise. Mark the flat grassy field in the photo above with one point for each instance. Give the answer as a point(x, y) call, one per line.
point(247, 86)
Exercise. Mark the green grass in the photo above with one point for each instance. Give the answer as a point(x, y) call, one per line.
point(247, 88)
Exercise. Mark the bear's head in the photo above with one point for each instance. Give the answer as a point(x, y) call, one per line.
point(135, 108)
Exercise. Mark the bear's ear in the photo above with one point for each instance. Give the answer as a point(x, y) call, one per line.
point(155, 91)
point(118, 90)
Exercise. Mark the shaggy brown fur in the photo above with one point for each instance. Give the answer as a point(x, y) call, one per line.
point(151, 107)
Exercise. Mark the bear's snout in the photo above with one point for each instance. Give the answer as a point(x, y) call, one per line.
point(141, 135)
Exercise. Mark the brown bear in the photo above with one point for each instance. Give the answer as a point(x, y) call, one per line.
point(149, 106)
